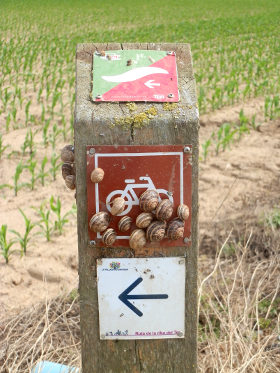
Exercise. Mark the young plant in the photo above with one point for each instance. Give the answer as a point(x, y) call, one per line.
point(60, 220)
point(5, 245)
point(31, 167)
point(42, 173)
point(25, 238)
point(205, 149)
point(16, 177)
point(2, 147)
point(44, 222)
point(55, 165)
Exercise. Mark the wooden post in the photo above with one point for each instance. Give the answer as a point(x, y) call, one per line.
point(92, 128)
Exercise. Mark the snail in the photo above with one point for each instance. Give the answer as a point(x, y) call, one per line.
point(118, 206)
point(183, 212)
point(148, 200)
point(70, 181)
point(125, 224)
point(67, 154)
point(137, 239)
point(99, 221)
point(97, 175)
point(67, 169)
point(175, 229)
point(164, 209)
point(156, 231)
point(109, 236)
point(144, 219)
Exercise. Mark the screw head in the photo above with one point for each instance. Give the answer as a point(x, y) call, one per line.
point(98, 97)
point(170, 53)
point(91, 151)
point(92, 243)
point(187, 240)
point(170, 95)
point(179, 333)
point(187, 149)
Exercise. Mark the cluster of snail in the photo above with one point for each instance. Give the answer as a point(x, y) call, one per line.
point(68, 167)
point(152, 223)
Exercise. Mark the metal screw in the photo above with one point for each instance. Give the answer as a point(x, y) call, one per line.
point(170, 95)
point(187, 149)
point(91, 151)
point(92, 243)
point(179, 333)
point(98, 97)
point(170, 53)
point(187, 240)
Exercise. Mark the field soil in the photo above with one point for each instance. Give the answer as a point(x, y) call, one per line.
point(242, 181)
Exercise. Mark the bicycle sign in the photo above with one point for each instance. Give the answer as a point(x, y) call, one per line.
point(129, 171)
point(131, 197)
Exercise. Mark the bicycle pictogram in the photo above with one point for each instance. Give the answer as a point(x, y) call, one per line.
point(130, 196)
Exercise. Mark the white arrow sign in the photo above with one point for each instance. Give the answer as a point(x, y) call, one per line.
point(150, 84)
point(141, 298)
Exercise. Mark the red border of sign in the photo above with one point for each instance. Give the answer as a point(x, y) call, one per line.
point(94, 150)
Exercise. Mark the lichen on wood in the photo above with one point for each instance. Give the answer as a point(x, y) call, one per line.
point(138, 120)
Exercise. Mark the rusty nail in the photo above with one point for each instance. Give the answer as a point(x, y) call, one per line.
point(170, 95)
point(92, 243)
point(187, 149)
point(91, 151)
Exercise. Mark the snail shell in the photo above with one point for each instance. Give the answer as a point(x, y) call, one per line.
point(67, 154)
point(175, 229)
point(99, 221)
point(144, 220)
point(164, 209)
point(97, 175)
point(125, 224)
point(148, 200)
point(118, 206)
point(67, 169)
point(137, 239)
point(109, 237)
point(156, 231)
point(70, 181)
point(183, 212)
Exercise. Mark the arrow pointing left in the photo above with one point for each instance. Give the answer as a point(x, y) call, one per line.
point(150, 84)
point(124, 296)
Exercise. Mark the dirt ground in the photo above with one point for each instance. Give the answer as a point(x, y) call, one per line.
point(245, 175)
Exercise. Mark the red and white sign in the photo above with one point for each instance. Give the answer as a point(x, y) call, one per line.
point(129, 171)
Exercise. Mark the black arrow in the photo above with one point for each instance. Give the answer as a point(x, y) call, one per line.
point(124, 296)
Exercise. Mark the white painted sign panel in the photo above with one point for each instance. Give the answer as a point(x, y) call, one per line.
point(141, 298)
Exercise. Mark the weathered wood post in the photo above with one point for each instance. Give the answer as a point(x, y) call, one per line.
point(149, 346)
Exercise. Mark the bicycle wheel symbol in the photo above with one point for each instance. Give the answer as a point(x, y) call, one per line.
point(120, 193)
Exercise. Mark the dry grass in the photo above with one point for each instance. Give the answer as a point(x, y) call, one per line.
point(45, 332)
point(239, 302)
